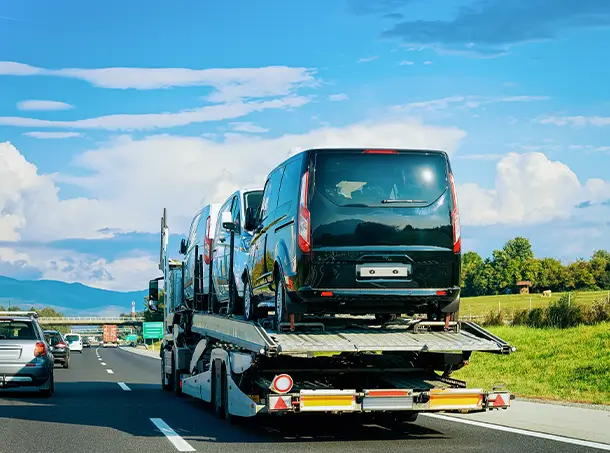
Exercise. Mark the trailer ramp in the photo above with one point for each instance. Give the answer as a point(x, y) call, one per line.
point(345, 338)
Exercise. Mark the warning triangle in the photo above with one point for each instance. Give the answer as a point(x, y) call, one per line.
point(280, 404)
point(499, 401)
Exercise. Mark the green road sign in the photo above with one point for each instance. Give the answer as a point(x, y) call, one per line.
point(131, 338)
point(152, 330)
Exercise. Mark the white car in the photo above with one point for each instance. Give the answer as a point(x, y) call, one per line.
point(75, 342)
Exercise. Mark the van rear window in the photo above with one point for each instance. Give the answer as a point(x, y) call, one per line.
point(357, 179)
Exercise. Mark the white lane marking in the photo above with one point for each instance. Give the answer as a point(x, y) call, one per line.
point(179, 442)
point(103, 363)
point(524, 432)
point(110, 371)
point(124, 386)
point(99, 358)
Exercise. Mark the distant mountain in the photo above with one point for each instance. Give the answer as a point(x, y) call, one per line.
point(72, 299)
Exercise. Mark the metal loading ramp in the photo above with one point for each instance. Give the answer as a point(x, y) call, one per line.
point(253, 337)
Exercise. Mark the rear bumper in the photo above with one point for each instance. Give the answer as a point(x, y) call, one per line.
point(12, 376)
point(374, 301)
point(60, 356)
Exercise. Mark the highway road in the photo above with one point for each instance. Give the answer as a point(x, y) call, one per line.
point(115, 403)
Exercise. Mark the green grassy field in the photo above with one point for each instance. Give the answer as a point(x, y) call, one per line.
point(569, 364)
point(480, 306)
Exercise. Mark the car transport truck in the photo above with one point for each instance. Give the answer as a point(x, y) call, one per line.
point(387, 370)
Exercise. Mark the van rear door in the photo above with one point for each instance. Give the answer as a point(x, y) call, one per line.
point(371, 208)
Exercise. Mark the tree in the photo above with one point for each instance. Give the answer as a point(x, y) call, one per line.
point(472, 264)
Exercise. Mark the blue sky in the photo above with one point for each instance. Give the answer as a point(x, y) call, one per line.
point(110, 111)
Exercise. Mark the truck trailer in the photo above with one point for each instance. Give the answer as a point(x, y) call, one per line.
point(110, 336)
point(386, 371)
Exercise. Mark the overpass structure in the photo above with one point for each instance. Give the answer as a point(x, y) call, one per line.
point(91, 321)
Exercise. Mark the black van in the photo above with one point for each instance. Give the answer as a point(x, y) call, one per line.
point(356, 231)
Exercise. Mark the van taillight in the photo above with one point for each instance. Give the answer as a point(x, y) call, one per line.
point(380, 151)
point(40, 349)
point(304, 217)
point(208, 242)
point(455, 218)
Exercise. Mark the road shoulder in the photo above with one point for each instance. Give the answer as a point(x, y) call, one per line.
point(142, 352)
point(568, 421)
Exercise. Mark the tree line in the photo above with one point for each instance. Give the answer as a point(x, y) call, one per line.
point(516, 262)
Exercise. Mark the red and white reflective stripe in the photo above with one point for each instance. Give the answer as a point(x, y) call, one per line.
point(280, 403)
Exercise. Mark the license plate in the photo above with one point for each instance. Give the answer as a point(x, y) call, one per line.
point(384, 270)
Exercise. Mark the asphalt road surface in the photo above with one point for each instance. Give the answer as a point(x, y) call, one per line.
point(124, 410)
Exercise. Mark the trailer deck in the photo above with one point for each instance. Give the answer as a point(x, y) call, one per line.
point(346, 335)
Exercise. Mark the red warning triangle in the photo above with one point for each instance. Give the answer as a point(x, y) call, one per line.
point(280, 404)
point(499, 401)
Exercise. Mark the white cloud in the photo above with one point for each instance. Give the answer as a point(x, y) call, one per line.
point(367, 59)
point(529, 189)
point(467, 102)
point(31, 209)
point(427, 62)
point(146, 121)
point(338, 97)
point(598, 121)
point(129, 273)
point(230, 84)
point(247, 126)
point(405, 63)
point(34, 104)
point(52, 135)
point(18, 69)
point(127, 177)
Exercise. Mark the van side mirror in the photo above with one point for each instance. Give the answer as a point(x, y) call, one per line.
point(227, 221)
point(183, 247)
point(251, 221)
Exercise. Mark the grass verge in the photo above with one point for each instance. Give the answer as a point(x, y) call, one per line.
point(556, 364)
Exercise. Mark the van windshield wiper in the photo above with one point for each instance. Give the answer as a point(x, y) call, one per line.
point(405, 201)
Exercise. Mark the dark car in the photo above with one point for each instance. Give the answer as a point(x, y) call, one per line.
point(356, 231)
point(25, 356)
point(86, 344)
point(59, 347)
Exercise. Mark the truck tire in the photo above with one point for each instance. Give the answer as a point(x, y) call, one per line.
point(176, 377)
point(167, 387)
point(217, 389)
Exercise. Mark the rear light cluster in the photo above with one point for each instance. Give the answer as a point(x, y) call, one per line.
point(455, 218)
point(304, 217)
point(40, 349)
point(208, 242)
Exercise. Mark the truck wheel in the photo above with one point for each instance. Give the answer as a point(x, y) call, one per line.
point(217, 396)
point(176, 377)
point(232, 419)
point(169, 385)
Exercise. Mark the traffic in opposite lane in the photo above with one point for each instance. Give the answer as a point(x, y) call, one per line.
point(111, 398)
